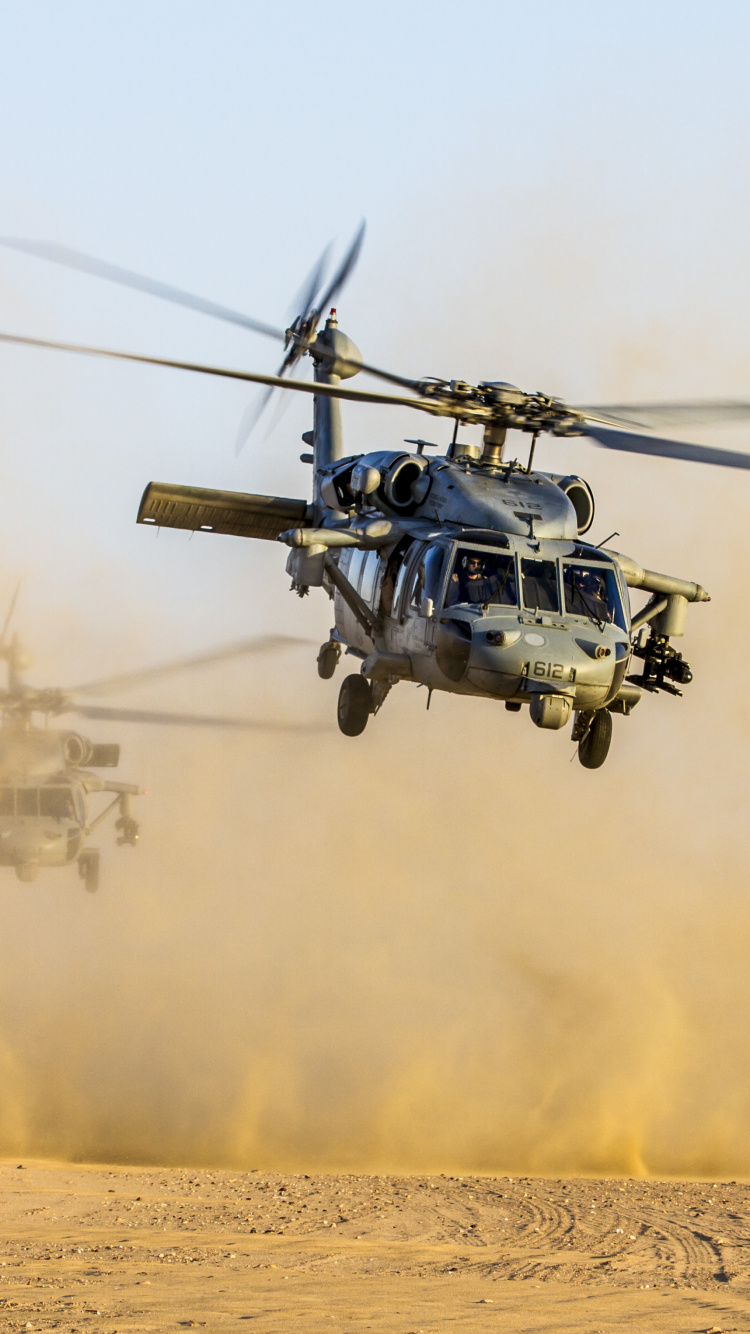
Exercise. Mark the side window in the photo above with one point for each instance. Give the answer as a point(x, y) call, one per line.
point(434, 565)
point(345, 560)
point(417, 587)
point(393, 569)
point(403, 575)
point(6, 801)
point(369, 572)
point(427, 578)
point(355, 567)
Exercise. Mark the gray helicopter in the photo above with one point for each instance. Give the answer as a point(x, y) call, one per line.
point(45, 773)
point(466, 571)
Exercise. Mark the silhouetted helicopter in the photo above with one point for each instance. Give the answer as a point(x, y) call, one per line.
point(467, 572)
point(45, 773)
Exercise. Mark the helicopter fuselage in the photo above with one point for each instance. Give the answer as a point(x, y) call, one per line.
point(514, 642)
point(41, 824)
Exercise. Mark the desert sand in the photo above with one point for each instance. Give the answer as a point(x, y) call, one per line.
point(92, 1247)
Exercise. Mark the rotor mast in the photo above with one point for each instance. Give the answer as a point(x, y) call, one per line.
point(328, 428)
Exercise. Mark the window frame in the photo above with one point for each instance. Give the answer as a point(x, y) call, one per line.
point(487, 550)
point(404, 580)
point(542, 611)
point(598, 566)
point(373, 557)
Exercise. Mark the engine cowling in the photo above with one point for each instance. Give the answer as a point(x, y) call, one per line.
point(396, 483)
point(75, 750)
point(581, 497)
point(78, 750)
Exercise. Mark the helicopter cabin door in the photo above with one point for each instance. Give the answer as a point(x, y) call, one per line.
point(420, 578)
point(364, 570)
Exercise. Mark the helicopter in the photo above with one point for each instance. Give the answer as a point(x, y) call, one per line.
point(466, 571)
point(46, 778)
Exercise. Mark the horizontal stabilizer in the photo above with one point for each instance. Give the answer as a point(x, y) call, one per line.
point(234, 512)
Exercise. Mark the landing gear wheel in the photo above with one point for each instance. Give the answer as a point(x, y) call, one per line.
point(355, 705)
point(328, 659)
point(594, 747)
point(88, 869)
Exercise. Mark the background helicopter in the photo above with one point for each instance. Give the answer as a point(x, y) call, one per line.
point(466, 572)
point(45, 773)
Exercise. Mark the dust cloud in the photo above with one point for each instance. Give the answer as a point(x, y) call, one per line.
point(440, 946)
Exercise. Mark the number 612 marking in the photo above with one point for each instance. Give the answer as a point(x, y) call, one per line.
point(553, 670)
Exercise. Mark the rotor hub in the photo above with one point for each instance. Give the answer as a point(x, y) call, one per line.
point(334, 353)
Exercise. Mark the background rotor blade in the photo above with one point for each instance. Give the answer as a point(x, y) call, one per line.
point(344, 269)
point(696, 413)
point(192, 720)
point(667, 449)
point(11, 609)
point(111, 685)
point(99, 268)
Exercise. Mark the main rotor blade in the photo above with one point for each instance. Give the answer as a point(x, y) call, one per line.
point(438, 408)
point(344, 269)
point(111, 685)
point(696, 412)
point(193, 720)
point(667, 449)
point(99, 268)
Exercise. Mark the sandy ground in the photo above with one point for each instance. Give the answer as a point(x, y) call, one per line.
point(100, 1248)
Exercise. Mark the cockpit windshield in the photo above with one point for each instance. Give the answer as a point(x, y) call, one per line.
point(592, 591)
point(57, 802)
point(540, 584)
point(480, 577)
point(54, 803)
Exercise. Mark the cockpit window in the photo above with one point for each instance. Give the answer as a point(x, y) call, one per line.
point(540, 585)
point(56, 803)
point(480, 577)
point(27, 801)
point(592, 591)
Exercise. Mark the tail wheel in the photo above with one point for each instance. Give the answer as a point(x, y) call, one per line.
point(355, 705)
point(594, 747)
point(88, 869)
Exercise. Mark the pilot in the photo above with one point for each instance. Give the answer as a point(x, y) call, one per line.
point(593, 590)
point(474, 583)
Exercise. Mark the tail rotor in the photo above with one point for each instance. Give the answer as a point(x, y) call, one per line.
point(311, 302)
